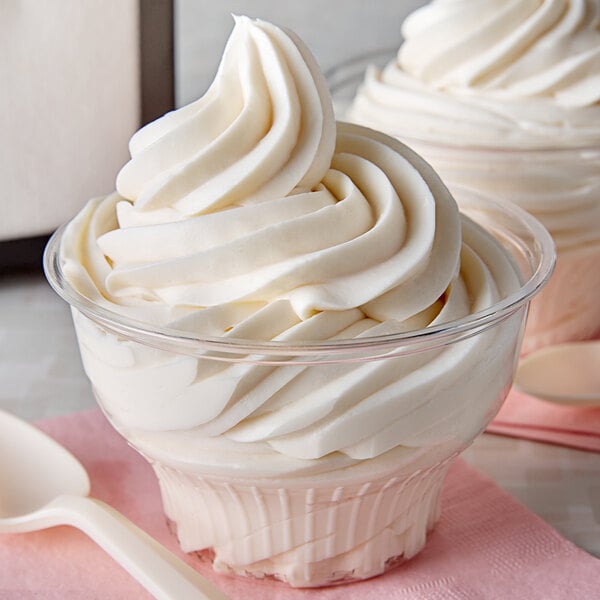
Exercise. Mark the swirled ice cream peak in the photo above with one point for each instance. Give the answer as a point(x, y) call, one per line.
point(263, 129)
point(250, 214)
point(249, 195)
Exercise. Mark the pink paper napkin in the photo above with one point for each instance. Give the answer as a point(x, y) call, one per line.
point(486, 545)
point(524, 416)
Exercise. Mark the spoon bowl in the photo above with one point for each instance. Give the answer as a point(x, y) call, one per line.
point(566, 374)
point(34, 479)
point(43, 485)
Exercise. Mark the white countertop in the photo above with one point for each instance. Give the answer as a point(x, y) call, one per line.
point(41, 376)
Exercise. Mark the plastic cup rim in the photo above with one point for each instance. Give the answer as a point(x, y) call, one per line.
point(411, 341)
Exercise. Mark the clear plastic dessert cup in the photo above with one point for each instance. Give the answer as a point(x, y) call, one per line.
point(252, 509)
point(559, 185)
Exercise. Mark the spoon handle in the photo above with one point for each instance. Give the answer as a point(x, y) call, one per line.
point(162, 573)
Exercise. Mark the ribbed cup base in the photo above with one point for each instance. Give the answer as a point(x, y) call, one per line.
point(305, 536)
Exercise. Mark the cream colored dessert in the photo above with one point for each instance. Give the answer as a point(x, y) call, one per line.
point(249, 214)
point(503, 98)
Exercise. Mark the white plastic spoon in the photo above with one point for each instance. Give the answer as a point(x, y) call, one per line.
point(565, 374)
point(42, 485)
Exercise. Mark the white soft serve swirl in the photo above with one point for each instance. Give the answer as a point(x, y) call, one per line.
point(245, 215)
point(516, 73)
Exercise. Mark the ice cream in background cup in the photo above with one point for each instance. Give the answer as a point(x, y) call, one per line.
point(292, 322)
point(503, 99)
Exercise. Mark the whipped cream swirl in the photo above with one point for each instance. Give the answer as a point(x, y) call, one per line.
point(508, 73)
point(249, 214)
